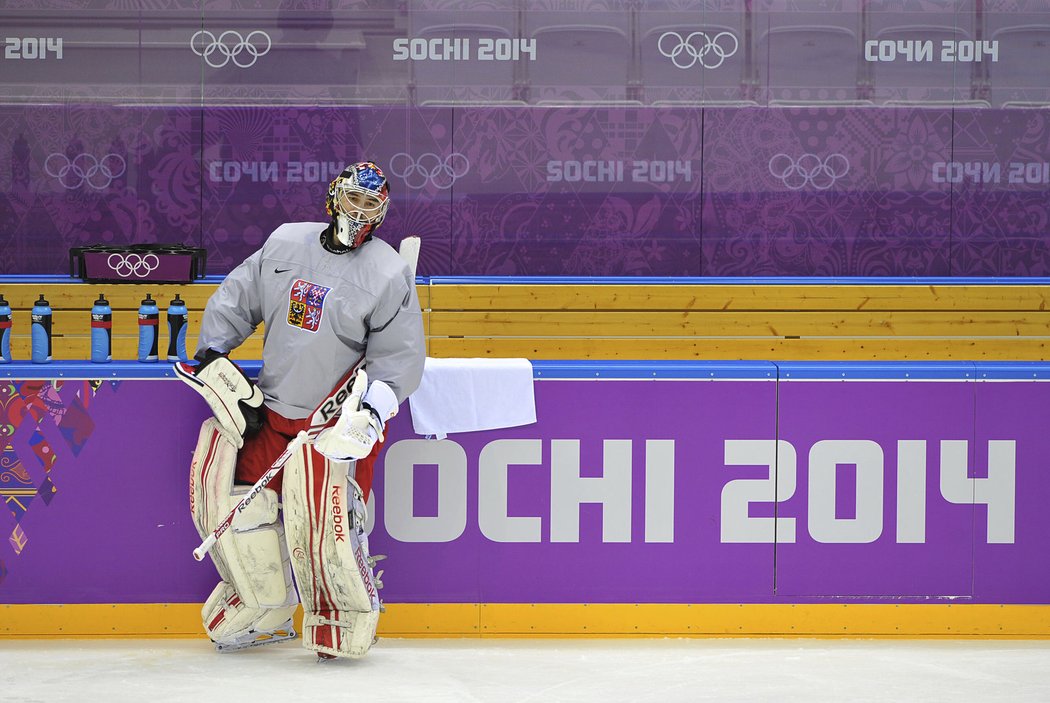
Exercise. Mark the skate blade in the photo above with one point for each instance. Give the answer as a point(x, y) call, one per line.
point(269, 638)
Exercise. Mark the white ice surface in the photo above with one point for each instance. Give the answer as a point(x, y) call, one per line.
point(516, 671)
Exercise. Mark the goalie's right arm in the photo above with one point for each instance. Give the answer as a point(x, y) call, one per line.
point(234, 310)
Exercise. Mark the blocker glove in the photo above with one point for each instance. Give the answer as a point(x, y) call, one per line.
point(361, 421)
point(236, 402)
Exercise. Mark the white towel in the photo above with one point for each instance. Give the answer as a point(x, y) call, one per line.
point(468, 395)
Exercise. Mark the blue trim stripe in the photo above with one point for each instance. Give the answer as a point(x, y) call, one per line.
point(582, 370)
point(611, 370)
point(1013, 370)
point(114, 370)
point(876, 370)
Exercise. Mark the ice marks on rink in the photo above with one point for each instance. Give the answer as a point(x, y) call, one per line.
point(520, 671)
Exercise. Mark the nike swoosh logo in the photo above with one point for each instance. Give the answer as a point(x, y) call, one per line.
point(281, 270)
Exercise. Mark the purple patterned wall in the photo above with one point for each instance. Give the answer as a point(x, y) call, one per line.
point(568, 137)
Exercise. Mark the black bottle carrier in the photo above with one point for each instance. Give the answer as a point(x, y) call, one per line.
point(137, 263)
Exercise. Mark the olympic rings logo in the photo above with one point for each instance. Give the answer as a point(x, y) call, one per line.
point(808, 170)
point(430, 169)
point(229, 46)
point(127, 265)
point(698, 48)
point(85, 168)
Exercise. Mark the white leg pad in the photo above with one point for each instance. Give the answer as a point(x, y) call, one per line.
point(325, 522)
point(256, 596)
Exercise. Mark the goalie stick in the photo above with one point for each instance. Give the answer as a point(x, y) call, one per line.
point(353, 383)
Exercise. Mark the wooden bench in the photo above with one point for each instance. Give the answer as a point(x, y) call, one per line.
point(811, 321)
point(834, 322)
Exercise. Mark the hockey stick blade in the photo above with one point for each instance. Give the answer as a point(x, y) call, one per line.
point(409, 251)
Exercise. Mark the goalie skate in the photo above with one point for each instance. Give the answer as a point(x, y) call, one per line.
point(257, 639)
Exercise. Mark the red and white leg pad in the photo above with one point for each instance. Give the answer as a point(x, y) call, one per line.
point(324, 517)
point(254, 602)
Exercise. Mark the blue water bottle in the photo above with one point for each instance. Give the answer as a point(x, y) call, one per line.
point(40, 331)
point(5, 331)
point(149, 319)
point(177, 317)
point(101, 331)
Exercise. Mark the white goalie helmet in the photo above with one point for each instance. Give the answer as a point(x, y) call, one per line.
point(357, 202)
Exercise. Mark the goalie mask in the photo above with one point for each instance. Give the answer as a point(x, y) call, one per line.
point(357, 202)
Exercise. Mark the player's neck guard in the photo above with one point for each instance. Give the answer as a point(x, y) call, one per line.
point(332, 244)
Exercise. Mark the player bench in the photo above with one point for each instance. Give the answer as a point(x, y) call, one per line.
point(764, 320)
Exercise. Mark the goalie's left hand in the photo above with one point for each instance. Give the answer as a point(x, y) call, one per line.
point(353, 436)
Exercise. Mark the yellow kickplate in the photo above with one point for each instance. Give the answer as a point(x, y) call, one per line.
point(764, 620)
point(570, 620)
point(101, 620)
point(184, 620)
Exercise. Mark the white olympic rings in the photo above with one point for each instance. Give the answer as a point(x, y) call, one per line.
point(229, 46)
point(808, 170)
point(85, 168)
point(698, 52)
point(429, 168)
point(127, 265)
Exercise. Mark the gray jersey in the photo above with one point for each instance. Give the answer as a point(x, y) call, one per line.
point(323, 312)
